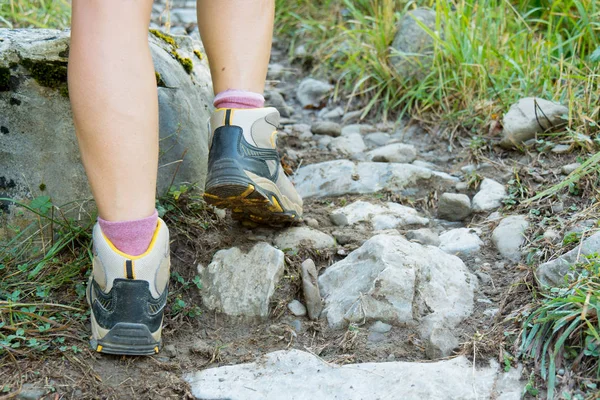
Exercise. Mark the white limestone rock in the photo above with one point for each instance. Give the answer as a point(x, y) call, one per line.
point(381, 216)
point(299, 375)
point(393, 280)
point(530, 116)
point(242, 284)
point(509, 236)
point(461, 241)
point(303, 237)
point(489, 197)
point(335, 178)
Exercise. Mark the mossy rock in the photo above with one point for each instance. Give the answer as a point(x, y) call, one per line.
point(50, 74)
point(4, 79)
point(40, 152)
point(185, 62)
point(165, 37)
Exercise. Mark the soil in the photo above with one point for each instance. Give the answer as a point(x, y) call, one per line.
point(212, 340)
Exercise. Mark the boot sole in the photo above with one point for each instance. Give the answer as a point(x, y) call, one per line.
point(127, 339)
point(249, 202)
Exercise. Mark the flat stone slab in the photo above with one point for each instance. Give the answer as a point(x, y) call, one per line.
point(339, 177)
point(298, 375)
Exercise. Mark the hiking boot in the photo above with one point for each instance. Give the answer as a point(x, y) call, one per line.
point(244, 169)
point(127, 295)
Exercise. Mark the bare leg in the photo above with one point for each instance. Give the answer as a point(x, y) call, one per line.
point(237, 35)
point(114, 98)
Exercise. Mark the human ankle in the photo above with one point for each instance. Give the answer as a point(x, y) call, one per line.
point(130, 237)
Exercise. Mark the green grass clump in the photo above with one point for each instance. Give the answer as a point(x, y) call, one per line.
point(55, 14)
point(42, 275)
point(486, 55)
point(563, 331)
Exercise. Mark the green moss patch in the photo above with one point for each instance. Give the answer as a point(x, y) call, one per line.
point(185, 62)
point(50, 74)
point(198, 54)
point(166, 38)
point(159, 80)
point(4, 79)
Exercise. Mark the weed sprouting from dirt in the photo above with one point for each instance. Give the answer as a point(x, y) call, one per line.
point(561, 333)
point(42, 273)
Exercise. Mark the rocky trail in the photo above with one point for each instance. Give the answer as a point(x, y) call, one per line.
point(405, 279)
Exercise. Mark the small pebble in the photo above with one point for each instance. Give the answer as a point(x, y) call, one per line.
point(391, 358)
point(551, 235)
point(170, 351)
point(313, 223)
point(561, 148)
point(461, 187)
point(483, 277)
point(202, 348)
point(557, 207)
point(297, 325)
point(220, 213)
point(491, 312)
point(342, 238)
point(567, 169)
point(297, 308)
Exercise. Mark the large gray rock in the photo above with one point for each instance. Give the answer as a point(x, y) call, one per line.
point(334, 178)
point(552, 273)
point(38, 147)
point(299, 375)
point(241, 284)
point(412, 48)
point(312, 93)
point(508, 236)
point(396, 281)
point(530, 116)
point(381, 216)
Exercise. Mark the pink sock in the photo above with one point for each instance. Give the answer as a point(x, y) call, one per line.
point(238, 99)
point(131, 237)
